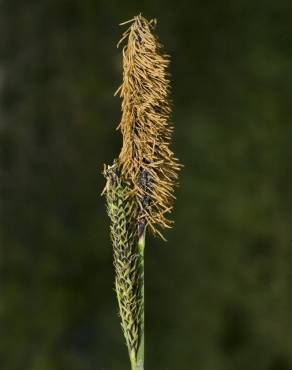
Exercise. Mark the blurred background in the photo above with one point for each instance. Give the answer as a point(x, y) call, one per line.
point(219, 292)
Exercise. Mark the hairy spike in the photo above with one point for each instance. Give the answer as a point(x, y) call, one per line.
point(146, 160)
point(140, 184)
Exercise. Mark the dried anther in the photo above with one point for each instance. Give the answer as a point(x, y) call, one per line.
point(146, 161)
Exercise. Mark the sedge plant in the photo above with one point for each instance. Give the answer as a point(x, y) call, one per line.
point(140, 183)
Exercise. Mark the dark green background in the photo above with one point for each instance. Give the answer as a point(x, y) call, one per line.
point(219, 293)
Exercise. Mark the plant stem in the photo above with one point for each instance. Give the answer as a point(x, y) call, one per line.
point(140, 352)
point(133, 360)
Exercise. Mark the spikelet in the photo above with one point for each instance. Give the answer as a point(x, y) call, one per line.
point(146, 159)
point(123, 215)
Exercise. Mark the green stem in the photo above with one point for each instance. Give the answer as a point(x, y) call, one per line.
point(140, 352)
point(133, 360)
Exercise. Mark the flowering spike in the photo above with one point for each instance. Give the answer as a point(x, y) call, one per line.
point(140, 184)
point(146, 160)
